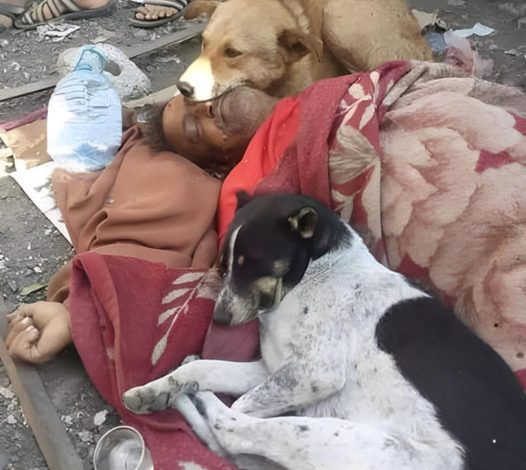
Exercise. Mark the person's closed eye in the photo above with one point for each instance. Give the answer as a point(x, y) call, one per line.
point(192, 129)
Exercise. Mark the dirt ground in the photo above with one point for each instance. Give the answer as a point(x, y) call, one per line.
point(31, 249)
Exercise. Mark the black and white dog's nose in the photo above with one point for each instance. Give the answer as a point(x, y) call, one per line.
point(221, 315)
point(186, 89)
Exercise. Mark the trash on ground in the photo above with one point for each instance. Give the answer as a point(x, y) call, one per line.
point(27, 144)
point(460, 52)
point(100, 417)
point(452, 47)
point(425, 18)
point(429, 21)
point(513, 52)
point(478, 29)
point(32, 288)
point(56, 31)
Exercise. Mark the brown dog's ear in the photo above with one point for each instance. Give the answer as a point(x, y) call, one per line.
point(298, 44)
point(200, 7)
point(243, 198)
point(304, 222)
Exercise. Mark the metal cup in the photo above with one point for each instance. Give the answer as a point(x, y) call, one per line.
point(122, 448)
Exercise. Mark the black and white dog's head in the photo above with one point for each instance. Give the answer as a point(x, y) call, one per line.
point(267, 249)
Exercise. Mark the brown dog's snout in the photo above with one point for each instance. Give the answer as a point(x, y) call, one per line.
point(186, 89)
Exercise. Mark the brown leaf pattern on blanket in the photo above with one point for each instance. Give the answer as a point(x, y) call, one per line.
point(440, 193)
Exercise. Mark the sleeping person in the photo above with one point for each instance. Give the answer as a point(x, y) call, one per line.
point(149, 204)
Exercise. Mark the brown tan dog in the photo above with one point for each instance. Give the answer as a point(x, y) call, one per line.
point(282, 46)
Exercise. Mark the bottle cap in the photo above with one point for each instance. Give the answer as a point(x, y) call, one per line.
point(90, 58)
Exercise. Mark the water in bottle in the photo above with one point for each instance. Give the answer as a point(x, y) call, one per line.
point(84, 124)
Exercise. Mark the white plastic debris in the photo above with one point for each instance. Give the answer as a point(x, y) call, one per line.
point(100, 417)
point(56, 31)
point(478, 29)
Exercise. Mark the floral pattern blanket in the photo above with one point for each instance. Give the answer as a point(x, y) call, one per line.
point(437, 189)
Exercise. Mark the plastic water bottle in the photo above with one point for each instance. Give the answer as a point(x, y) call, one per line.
point(84, 122)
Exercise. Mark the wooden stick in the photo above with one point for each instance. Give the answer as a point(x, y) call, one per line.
point(39, 411)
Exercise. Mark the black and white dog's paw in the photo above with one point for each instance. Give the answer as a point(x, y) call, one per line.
point(143, 399)
point(152, 397)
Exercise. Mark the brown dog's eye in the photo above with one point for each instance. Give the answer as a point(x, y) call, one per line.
point(230, 52)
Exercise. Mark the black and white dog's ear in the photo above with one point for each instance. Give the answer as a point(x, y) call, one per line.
point(243, 198)
point(304, 222)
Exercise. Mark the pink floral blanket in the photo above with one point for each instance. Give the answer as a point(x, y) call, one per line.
point(438, 190)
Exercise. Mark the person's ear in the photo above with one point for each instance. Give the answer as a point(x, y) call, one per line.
point(243, 198)
point(297, 44)
point(304, 222)
point(200, 7)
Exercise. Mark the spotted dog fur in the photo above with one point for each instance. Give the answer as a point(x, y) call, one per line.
point(360, 369)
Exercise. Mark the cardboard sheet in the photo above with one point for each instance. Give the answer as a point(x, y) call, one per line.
point(36, 183)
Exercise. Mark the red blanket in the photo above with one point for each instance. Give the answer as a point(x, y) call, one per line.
point(133, 321)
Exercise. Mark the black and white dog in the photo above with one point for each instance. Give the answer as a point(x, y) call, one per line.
point(378, 374)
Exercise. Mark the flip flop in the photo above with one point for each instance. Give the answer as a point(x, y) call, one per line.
point(179, 5)
point(34, 15)
point(10, 11)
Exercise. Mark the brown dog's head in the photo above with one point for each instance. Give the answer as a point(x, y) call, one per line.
point(246, 42)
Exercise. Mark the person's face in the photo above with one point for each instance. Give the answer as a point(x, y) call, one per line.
point(215, 134)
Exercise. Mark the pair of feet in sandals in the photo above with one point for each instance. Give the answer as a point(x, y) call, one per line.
point(150, 13)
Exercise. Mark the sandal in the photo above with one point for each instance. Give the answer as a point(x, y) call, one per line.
point(10, 11)
point(34, 15)
point(179, 5)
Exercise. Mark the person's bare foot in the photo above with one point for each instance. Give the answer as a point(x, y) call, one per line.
point(38, 331)
point(6, 22)
point(154, 13)
point(13, 7)
point(148, 12)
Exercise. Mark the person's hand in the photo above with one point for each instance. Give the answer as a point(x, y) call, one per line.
point(38, 331)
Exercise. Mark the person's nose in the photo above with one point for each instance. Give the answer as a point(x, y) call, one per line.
point(203, 109)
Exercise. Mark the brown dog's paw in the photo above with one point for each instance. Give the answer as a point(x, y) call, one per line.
point(200, 7)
